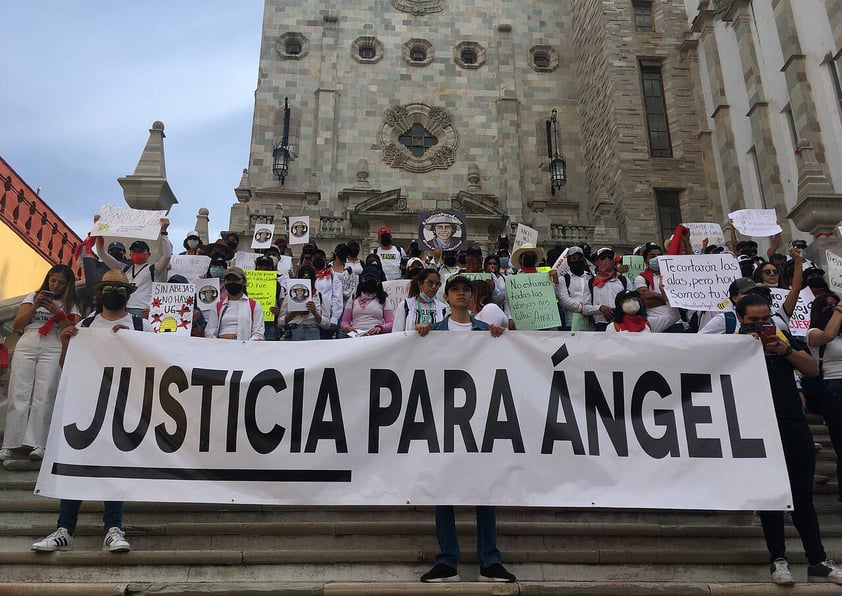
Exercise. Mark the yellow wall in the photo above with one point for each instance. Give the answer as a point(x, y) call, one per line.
point(22, 269)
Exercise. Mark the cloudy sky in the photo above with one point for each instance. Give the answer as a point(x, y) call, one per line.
point(84, 80)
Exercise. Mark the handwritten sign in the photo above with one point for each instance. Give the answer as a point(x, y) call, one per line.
point(561, 265)
point(171, 310)
point(532, 301)
point(700, 231)
point(397, 289)
point(756, 222)
point(799, 322)
point(299, 230)
point(834, 271)
point(207, 293)
point(128, 223)
point(298, 294)
point(263, 235)
point(261, 286)
point(244, 260)
point(190, 266)
point(699, 282)
point(525, 235)
point(635, 264)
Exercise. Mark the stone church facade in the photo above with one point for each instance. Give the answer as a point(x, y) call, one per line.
point(401, 106)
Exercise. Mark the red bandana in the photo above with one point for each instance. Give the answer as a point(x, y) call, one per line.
point(633, 323)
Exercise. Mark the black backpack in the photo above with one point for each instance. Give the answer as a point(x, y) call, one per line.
point(136, 321)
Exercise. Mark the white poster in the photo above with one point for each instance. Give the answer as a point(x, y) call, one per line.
point(263, 235)
point(799, 322)
point(397, 289)
point(699, 232)
point(699, 282)
point(299, 230)
point(190, 266)
point(285, 265)
point(207, 293)
point(525, 235)
point(298, 294)
point(244, 260)
point(171, 309)
point(527, 419)
point(561, 265)
point(834, 271)
point(756, 222)
point(128, 223)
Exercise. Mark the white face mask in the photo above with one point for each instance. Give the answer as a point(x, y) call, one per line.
point(631, 307)
point(192, 243)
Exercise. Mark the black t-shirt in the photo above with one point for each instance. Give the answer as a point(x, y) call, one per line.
point(784, 391)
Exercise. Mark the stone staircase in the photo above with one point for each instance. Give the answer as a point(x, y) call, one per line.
point(251, 550)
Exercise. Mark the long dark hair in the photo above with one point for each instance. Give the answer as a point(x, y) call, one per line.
point(419, 279)
point(382, 296)
point(68, 299)
point(820, 313)
point(480, 294)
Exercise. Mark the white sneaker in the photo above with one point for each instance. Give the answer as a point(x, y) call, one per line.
point(37, 454)
point(58, 540)
point(115, 541)
point(826, 572)
point(6, 454)
point(781, 574)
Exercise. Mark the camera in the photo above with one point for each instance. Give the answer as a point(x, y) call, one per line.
point(801, 244)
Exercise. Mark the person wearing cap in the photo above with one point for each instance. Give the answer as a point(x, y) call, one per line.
point(192, 244)
point(237, 316)
point(141, 272)
point(369, 311)
point(413, 266)
point(390, 255)
point(458, 293)
point(444, 232)
point(330, 287)
point(232, 241)
point(604, 287)
point(306, 325)
point(814, 279)
point(662, 318)
point(218, 249)
point(118, 250)
point(573, 289)
point(113, 290)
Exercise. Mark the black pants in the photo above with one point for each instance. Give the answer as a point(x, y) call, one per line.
point(832, 414)
point(800, 455)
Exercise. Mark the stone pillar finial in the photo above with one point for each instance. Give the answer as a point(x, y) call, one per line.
point(148, 188)
point(202, 219)
point(362, 182)
point(473, 178)
point(818, 208)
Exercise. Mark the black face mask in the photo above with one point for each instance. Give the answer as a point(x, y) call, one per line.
point(114, 301)
point(232, 245)
point(449, 261)
point(386, 239)
point(319, 263)
point(234, 289)
point(369, 287)
point(577, 267)
point(817, 283)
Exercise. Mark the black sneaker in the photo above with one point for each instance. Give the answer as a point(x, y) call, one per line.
point(441, 573)
point(495, 573)
point(826, 571)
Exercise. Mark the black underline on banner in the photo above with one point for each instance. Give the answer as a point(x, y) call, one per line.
point(202, 474)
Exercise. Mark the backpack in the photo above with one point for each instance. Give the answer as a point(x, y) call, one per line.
point(151, 270)
point(219, 307)
point(730, 322)
point(137, 322)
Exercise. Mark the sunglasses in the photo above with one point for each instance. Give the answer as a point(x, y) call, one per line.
point(119, 289)
point(770, 271)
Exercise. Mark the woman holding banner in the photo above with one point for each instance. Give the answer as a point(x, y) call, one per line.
point(369, 312)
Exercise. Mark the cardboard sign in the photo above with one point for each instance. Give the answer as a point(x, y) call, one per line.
point(699, 282)
point(756, 222)
point(263, 235)
point(190, 266)
point(128, 223)
point(298, 294)
point(532, 301)
point(701, 231)
point(171, 309)
point(525, 235)
point(397, 289)
point(299, 230)
point(834, 271)
point(636, 265)
point(799, 322)
point(207, 293)
point(261, 286)
point(446, 230)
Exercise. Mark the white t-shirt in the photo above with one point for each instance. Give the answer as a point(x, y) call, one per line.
point(100, 322)
point(832, 363)
point(42, 315)
point(454, 326)
point(493, 315)
point(613, 329)
point(390, 258)
point(659, 317)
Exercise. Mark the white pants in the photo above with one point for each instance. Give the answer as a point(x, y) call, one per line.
point(32, 389)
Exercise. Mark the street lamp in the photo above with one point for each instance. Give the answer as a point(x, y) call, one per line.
point(558, 167)
point(280, 154)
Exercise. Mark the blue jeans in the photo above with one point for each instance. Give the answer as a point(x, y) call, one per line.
point(449, 542)
point(68, 515)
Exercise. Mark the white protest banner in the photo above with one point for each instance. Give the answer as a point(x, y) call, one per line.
point(693, 428)
point(701, 231)
point(834, 271)
point(532, 301)
point(397, 289)
point(262, 286)
point(207, 291)
point(128, 223)
point(171, 309)
point(756, 222)
point(699, 282)
point(298, 294)
point(190, 266)
point(263, 235)
point(799, 322)
point(299, 230)
point(525, 235)
point(244, 260)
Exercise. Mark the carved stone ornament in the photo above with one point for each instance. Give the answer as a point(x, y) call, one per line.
point(397, 120)
point(419, 7)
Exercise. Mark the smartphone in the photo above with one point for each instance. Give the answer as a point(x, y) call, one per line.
point(47, 294)
point(768, 334)
point(802, 244)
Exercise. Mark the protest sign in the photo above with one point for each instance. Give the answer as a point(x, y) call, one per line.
point(799, 321)
point(446, 230)
point(635, 264)
point(263, 235)
point(756, 222)
point(476, 276)
point(525, 235)
point(207, 293)
point(561, 265)
point(834, 271)
point(171, 309)
point(262, 286)
point(397, 289)
point(298, 294)
point(190, 266)
point(532, 301)
point(701, 231)
point(699, 282)
point(299, 230)
point(128, 223)
point(285, 265)
point(197, 421)
point(244, 260)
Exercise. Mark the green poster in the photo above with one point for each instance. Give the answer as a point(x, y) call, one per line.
point(636, 266)
point(532, 301)
point(261, 287)
point(476, 276)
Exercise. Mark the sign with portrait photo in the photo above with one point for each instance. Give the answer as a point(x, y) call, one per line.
point(207, 293)
point(445, 230)
point(263, 235)
point(299, 230)
point(298, 294)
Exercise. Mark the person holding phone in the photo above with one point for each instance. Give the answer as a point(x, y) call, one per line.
point(35, 367)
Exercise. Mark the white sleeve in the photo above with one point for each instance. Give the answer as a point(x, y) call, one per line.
point(715, 325)
point(165, 246)
point(257, 325)
point(399, 323)
point(212, 322)
point(336, 302)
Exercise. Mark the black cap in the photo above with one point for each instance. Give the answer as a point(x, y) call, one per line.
point(139, 245)
point(456, 279)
